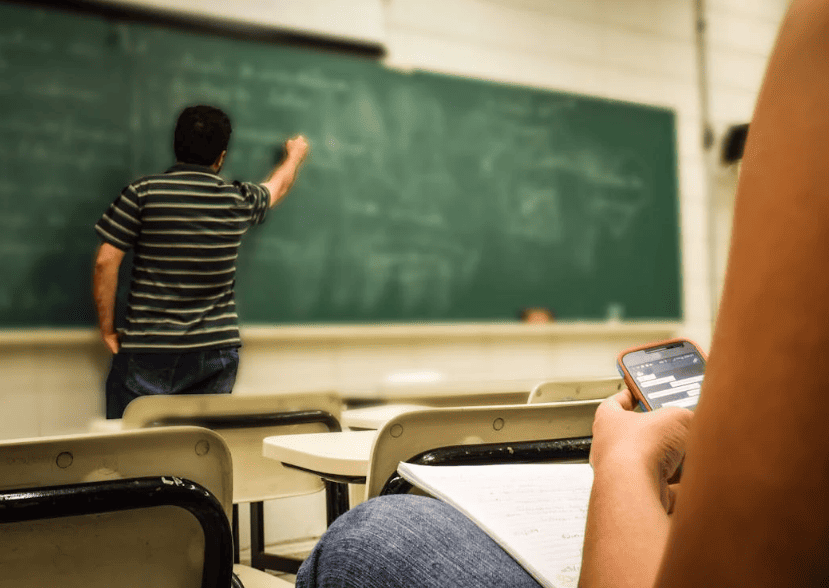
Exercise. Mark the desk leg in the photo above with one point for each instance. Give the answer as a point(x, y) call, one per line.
point(257, 534)
point(336, 494)
point(259, 558)
point(235, 529)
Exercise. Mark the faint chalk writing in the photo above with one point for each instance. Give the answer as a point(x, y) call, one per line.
point(191, 63)
point(78, 49)
point(21, 40)
point(306, 263)
point(55, 89)
point(311, 80)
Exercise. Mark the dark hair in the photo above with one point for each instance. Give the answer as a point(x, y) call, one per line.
point(202, 133)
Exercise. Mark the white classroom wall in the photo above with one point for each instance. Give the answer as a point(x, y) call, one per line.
point(636, 50)
point(741, 35)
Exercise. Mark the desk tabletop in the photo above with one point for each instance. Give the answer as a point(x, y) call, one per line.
point(374, 417)
point(344, 453)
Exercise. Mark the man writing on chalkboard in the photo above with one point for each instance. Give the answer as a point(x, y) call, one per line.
point(185, 227)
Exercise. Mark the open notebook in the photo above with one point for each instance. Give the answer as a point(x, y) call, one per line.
point(536, 512)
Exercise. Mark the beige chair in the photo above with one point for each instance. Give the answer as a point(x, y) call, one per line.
point(136, 508)
point(481, 434)
point(243, 422)
point(570, 390)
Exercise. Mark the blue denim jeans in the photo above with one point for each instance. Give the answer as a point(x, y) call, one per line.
point(141, 374)
point(408, 541)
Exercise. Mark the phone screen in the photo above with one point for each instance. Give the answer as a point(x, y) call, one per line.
point(670, 377)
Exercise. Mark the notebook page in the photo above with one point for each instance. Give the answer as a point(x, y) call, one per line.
point(536, 512)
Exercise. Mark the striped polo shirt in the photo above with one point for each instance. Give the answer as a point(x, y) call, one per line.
point(185, 227)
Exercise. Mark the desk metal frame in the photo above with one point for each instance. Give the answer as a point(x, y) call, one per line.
point(32, 504)
point(577, 448)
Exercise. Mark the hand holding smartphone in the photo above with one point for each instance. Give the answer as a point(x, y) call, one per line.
point(668, 373)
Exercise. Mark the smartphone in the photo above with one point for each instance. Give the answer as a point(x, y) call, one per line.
point(667, 373)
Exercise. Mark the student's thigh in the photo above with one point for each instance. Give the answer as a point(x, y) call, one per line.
point(409, 541)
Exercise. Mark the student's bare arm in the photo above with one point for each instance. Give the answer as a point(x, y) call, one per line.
point(754, 505)
point(633, 457)
point(284, 175)
point(104, 286)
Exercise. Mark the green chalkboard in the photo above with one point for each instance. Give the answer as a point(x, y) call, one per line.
point(425, 198)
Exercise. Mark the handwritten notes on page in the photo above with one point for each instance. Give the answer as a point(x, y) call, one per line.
point(536, 512)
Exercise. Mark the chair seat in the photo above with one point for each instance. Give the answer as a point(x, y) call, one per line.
point(252, 578)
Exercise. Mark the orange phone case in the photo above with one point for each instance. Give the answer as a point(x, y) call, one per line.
point(631, 385)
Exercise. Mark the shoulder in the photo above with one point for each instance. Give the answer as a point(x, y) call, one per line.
point(144, 182)
point(251, 190)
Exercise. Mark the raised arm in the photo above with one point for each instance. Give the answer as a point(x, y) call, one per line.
point(104, 287)
point(284, 175)
point(753, 504)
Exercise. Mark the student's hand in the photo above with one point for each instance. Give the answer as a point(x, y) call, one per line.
point(653, 440)
point(297, 147)
point(112, 342)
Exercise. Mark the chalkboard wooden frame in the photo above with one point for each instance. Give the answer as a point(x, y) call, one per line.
point(215, 26)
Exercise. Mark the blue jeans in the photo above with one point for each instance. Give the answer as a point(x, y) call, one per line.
point(141, 374)
point(409, 541)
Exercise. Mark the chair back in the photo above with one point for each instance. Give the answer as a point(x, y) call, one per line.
point(122, 531)
point(243, 422)
point(414, 433)
point(572, 390)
